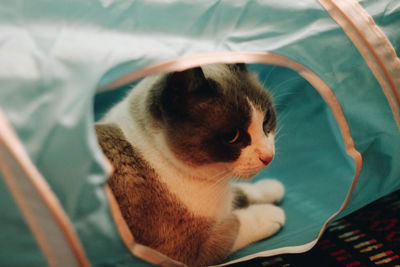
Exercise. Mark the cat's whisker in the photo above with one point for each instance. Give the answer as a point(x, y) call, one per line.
point(265, 81)
point(220, 174)
point(276, 97)
point(277, 137)
point(279, 95)
point(279, 85)
point(213, 190)
point(235, 179)
point(282, 117)
point(215, 185)
point(219, 181)
point(278, 130)
point(277, 140)
point(281, 106)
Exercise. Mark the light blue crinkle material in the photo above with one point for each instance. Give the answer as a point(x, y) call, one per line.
point(54, 54)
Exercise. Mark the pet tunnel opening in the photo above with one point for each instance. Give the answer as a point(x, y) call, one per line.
point(55, 54)
point(311, 159)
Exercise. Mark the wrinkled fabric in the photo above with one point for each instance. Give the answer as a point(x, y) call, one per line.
point(54, 54)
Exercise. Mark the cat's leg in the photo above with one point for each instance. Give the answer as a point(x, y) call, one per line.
point(242, 228)
point(219, 244)
point(263, 191)
point(257, 222)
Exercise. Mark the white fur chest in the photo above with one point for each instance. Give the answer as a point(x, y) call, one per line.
point(202, 197)
point(201, 191)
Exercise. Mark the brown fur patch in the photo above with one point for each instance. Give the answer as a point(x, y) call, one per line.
point(154, 215)
point(240, 199)
point(197, 111)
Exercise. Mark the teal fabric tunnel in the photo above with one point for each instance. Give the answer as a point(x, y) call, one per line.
point(331, 66)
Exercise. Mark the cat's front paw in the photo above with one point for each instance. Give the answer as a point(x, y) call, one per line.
point(269, 218)
point(269, 191)
point(275, 214)
point(258, 222)
point(262, 191)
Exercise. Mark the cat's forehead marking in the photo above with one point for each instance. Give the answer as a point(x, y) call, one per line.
point(244, 83)
point(224, 75)
point(216, 71)
point(255, 129)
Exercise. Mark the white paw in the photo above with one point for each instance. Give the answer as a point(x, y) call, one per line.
point(270, 220)
point(268, 191)
point(269, 214)
point(258, 222)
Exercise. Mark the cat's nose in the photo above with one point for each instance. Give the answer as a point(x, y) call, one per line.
point(266, 159)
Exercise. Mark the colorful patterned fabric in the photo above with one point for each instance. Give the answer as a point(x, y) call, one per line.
point(367, 237)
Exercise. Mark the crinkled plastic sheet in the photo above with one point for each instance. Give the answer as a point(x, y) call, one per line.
point(54, 54)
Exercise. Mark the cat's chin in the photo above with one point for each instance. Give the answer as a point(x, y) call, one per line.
point(245, 176)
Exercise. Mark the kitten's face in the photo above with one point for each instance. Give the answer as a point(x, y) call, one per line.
point(217, 114)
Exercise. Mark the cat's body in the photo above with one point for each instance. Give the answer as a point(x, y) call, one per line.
point(175, 142)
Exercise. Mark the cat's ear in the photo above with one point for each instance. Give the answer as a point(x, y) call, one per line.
point(238, 67)
point(185, 87)
point(187, 81)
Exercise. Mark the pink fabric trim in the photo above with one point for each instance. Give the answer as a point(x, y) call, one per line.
point(373, 45)
point(38, 204)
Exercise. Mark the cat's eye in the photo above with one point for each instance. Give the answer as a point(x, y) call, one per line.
point(267, 117)
point(232, 137)
point(265, 122)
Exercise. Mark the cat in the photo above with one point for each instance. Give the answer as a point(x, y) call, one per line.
point(178, 143)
